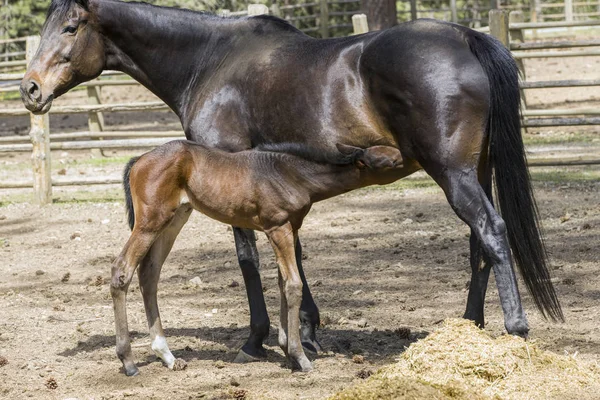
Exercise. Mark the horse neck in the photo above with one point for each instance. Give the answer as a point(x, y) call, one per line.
point(166, 50)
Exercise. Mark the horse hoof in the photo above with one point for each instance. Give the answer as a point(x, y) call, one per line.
point(243, 358)
point(301, 365)
point(132, 371)
point(523, 334)
point(518, 327)
point(312, 347)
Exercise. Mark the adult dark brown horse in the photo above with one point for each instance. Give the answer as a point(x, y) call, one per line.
point(447, 96)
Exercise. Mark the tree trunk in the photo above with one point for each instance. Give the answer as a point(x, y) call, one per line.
point(381, 14)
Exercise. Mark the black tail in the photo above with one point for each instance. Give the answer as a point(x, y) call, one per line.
point(127, 189)
point(513, 183)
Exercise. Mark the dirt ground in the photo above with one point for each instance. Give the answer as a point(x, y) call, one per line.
point(393, 258)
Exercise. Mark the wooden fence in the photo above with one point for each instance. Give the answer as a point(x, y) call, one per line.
point(40, 145)
point(12, 58)
point(512, 35)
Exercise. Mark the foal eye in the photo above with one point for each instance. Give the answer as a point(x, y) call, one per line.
point(70, 29)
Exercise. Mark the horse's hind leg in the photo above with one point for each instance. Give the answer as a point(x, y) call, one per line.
point(480, 269)
point(149, 273)
point(122, 271)
point(471, 204)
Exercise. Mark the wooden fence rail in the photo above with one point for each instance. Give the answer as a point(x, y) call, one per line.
point(59, 137)
point(90, 144)
point(92, 108)
point(41, 142)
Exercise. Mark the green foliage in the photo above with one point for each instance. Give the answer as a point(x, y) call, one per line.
point(22, 17)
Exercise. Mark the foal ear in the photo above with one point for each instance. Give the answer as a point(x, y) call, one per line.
point(382, 157)
point(347, 150)
point(354, 153)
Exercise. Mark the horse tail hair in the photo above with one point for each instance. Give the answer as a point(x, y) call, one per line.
point(127, 189)
point(512, 180)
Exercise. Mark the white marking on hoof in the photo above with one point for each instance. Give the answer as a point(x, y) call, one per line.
point(161, 349)
point(184, 199)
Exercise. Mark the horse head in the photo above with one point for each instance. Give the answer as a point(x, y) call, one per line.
point(71, 51)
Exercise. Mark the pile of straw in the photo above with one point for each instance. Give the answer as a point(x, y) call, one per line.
point(460, 361)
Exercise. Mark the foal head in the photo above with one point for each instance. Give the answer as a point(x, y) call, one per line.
point(379, 158)
point(71, 52)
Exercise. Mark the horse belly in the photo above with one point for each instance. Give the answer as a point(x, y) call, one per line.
point(228, 201)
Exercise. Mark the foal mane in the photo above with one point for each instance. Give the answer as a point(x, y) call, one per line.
point(308, 153)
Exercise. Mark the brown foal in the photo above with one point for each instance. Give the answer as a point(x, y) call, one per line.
point(269, 189)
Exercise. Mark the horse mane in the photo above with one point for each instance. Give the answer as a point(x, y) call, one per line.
point(312, 154)
point(282, 23)
point(60, 8)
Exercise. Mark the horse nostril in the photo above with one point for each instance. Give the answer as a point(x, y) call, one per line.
point(34, 90)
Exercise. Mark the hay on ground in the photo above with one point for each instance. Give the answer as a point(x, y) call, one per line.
point(461, 361)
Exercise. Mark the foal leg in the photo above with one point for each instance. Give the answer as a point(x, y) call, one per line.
point(245, 245)
point(122, 271)
point(471, 204)
point(309, 313)
point(283, 241)
point(149, 273)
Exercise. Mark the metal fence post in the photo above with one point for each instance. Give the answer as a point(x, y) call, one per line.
point(40, 139)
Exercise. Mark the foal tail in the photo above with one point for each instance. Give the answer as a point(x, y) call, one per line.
point(511, 176)
point(127, 189)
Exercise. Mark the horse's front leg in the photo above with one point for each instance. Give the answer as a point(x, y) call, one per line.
point(309, 312)
point(283, 240)
point(245, 244)
point(122, 272)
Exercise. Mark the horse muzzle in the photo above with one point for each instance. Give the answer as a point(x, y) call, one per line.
point(33, 98)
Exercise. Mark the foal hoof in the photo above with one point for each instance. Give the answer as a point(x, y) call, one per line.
point(179, 365)
point(243, 358)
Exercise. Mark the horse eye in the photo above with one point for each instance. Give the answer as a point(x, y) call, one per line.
point(70, 29)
